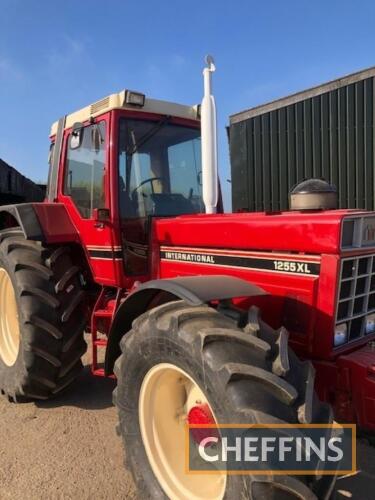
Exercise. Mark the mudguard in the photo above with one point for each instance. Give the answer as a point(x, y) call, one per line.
point(25, 216)
point(45, 222)
point(194, 290)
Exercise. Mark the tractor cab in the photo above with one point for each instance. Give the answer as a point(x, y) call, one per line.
point(116, 165)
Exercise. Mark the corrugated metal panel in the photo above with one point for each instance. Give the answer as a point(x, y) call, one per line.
point(329, 135)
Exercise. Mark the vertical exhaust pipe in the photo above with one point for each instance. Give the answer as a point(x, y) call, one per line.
point(209, 141)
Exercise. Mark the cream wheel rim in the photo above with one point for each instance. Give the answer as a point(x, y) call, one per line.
point(9, 325)
point(167, 394)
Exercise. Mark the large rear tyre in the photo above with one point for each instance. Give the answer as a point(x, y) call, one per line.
point(177, 355)
point(42, 318)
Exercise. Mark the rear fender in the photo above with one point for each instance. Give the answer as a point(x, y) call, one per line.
point(194, 290)
point(24, 216)
point(46, 222)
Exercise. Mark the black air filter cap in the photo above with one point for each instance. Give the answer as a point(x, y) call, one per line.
point(313, 194)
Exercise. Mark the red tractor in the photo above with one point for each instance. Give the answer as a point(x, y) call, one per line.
point(204, 317)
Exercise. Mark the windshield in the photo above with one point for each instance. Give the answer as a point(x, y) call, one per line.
point(159, 168)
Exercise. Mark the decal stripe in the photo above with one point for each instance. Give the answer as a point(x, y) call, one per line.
point(103, 247)
point(244, 253)
point(105, 254)
point(272, 263)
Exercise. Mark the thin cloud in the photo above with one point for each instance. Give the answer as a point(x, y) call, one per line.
point(161, 71)
point(153, 71)
point(178, 60)
point(9, 70)
point(76, 47)
point(70, 52)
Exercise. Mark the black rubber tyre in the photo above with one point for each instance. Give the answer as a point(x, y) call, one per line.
point(248, 375)
point(52, 316)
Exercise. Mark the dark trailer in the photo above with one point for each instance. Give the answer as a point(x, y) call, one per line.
point(325, 132)
point(16, 188)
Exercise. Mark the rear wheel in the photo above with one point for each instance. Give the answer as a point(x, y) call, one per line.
point(9, 326)
point(179, 359)
point(42, 318)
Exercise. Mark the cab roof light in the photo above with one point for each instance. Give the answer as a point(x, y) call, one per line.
point(134, 98)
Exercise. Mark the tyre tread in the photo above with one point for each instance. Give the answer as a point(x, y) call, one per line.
point(52, 348)
point(269, 365)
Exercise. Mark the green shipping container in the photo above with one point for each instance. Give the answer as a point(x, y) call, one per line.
point(325, 132)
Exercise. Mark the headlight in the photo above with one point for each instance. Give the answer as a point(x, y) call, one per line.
point(370, 324)
point(341, 334)
point(134, 98)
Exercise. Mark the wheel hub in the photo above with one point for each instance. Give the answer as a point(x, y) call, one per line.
point(169, 399)
point(9, 325)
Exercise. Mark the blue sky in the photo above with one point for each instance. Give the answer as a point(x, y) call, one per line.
point(56, 57)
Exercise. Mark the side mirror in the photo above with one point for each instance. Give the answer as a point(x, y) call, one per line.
point(76, 136)
point(101, 215)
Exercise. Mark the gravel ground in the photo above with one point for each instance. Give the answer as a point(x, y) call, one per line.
point(68, 449)
point(64, 449)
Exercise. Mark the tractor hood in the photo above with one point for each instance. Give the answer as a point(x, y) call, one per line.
point(313, 232)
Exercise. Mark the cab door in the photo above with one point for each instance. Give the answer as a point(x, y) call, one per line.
point(84, 187)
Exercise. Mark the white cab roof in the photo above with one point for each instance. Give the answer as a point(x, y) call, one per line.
point(117, 101)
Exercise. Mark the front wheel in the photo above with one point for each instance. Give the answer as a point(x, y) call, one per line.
point(179, 361)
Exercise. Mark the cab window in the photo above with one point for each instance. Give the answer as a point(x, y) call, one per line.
point(84, 173)
point(159, 169)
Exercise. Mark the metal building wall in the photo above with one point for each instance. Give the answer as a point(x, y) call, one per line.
point(329, 135)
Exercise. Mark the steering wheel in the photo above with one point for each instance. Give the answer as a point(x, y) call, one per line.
point(146, 181)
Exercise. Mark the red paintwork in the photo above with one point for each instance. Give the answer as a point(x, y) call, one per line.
point(56, 223)
point(349, 385)
point(304, 304)
point(313, 232)
point(101, 319)
point(90, 233)
point(362, 383)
